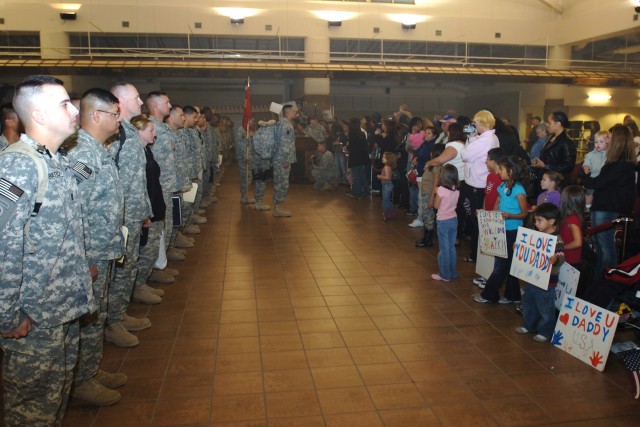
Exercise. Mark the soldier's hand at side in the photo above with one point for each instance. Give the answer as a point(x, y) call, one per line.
point(146, 223)
point(21, 331)
point(93, 271)
point(286, 165)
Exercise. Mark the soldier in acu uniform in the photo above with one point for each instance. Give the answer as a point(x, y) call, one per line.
point(243, 157)
point(45, 284)
point(131, 161)
point(102, 204)
point(283, 158)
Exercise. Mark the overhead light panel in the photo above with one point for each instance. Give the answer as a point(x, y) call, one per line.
point(598, 97)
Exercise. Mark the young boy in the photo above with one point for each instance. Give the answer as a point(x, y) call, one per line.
point(538, 305)
point(491, 192)
point(594, 160)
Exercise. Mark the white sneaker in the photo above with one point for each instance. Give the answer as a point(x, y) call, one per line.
point(480, 282)
point(521, 330)
point(416, 223)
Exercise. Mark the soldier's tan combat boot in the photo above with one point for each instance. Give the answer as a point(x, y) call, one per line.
point(160, 276)
point(111, 379)
point(247, 200)
point(171, 271)
point(95, 394)
point(197, 219)
point(280, 212)
point(183, 241)
point(192, 229)
point(155, 291)
point(118, 335)
point(212, 199)
point(259, 206)
point(202, 205)
point(135, 323)
point(174, 255)
point(144, 295)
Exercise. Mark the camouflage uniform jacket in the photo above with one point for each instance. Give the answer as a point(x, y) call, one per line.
point(43, 269)
point(241, 146)
point(191, 152)
point(285, 142)
point(101, 198)
point(182, 161)
point(3, 142)
point(133, 175)
point(164, 154)
point(210, 145)
point(196, 135)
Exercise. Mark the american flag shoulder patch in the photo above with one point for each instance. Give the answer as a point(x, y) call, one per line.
point(82, 170)
point(9, 190)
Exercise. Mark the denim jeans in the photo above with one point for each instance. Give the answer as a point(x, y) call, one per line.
point(605, 242)
point(501, 267)
point(360, 186)
point(475, 196)
point(341, 164)
point(447, 242)
point(413, 198)
point(539, 310)
point(387, 190)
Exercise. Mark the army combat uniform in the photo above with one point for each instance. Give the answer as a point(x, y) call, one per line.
point(102, 204)
point(243, 157)
point(285, 152)
point(137, 208)
point(325, 173)
point(164, 153)
point(43, 276)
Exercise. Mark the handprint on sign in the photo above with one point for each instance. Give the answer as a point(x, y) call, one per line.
point(557, 338)
point(595, 359)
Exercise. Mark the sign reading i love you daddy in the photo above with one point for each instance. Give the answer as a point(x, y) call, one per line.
point(492, 237)
point(585, 331)
point(532, 254)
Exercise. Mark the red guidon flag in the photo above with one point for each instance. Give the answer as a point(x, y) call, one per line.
point(247, 114)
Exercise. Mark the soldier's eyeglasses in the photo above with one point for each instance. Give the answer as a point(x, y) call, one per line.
point(115, 115)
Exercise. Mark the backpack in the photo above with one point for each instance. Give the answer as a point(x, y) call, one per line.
point(43, 179)
point(264, 141)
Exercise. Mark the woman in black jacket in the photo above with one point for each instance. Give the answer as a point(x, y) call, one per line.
point(358, 160)
point(614, 193)
point(559, 151)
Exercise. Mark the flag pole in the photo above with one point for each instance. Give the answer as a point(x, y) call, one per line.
point(246, 156)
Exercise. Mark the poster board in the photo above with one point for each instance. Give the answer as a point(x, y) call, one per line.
point(492, 236)
point(567, 283)
point(585, 331)
point(484, 263)
point(531, 257)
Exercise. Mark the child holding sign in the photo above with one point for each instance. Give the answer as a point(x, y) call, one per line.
point(446, 201)
point(512, 203)
point(538, 305)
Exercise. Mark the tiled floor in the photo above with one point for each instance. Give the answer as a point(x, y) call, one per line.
point(330, 318)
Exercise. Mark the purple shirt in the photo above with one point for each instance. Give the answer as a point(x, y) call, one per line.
point(549, 197)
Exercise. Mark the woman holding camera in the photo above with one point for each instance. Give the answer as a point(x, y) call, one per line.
point(482, 139)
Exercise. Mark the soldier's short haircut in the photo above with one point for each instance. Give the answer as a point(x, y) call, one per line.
point(23, 100)
point(188, 109)
point(155, 94)
point(97, 97)
point(117, 88)
point(207, 112)
point(285, 109)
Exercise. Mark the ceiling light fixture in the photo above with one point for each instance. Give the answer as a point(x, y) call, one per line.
point(237, 21)
point(68, 16)
point(598, 97)
point(335, 24)
point(407, 27)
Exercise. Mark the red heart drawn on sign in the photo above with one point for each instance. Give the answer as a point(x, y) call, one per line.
point(564, 318)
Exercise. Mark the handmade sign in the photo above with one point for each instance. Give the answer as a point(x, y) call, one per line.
point(567, 283)
point(532, 254)
point(484, 263)
point(492, 237)
point(585, 331)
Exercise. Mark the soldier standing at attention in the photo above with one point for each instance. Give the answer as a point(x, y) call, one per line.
point(284, 156)
point(243, 157)
point(102, 204)
point(131, 161)
point(44, 279)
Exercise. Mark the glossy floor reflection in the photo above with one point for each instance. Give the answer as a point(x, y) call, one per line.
point(330, 318)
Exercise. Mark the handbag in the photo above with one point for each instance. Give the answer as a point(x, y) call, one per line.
point(412, 177)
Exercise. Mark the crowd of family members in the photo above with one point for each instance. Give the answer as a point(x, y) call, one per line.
point(86, 232)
